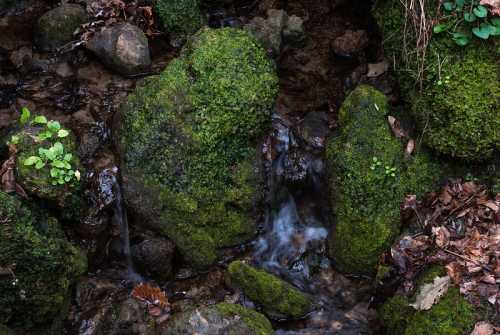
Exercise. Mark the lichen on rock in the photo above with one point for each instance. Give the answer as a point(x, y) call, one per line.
point(278, 298)
point(187, 140)
point(42, 261)
point(369, 178)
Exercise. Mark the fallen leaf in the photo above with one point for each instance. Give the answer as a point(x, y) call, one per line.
point(482, 328)
point(442, 236)
point(410, 146)
point(377, 69)
point(395, 127)
point(430, 293)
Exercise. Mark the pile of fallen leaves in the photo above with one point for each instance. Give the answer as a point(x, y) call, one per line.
point(461, 231)
point(153, 297)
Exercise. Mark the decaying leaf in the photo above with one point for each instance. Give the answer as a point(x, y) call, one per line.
point(410, 146)
point(377, 69)
point(155, 299)
point(482, 328)
point(396, 128)
point(430, 293)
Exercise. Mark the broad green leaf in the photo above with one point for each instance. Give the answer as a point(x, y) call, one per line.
point(469, 17)
point(483, 31)
point(62, 133)
point(59, 148)
point(54, 126)
point(68, 157)
point(40, 119)
point(460, 39)
point(460, 4)
point(67, 178)
point(25, 115)
point(31, 160)
point(54, 172)
point(448, 6)
point(439, 28)
point(40, 164)
point(58, 164)
point(67, 166)
point(480, 11)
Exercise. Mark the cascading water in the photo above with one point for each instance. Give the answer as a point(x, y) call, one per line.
point(110, 190)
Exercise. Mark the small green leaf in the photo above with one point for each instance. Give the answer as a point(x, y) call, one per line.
point(496, 21)
point(60, 181)
point(14, 139)
point(40, 119)
point(31, 160)
point(494, 30)
point(68, 157)
point(483, 31)
point(40, 164)
point(44, 135)
point(54, 172)
point(460, 39)
point(469, 17)
point(480, 11)
point(67, 166)
point(460, 4)
point(54, 126)
point(62, 133)
point(448, 6)
point(59, 148)
point(25, 116)
point(58, 164)
point(439, 28)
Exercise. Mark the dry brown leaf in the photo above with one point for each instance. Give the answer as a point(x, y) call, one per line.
point(430, 293)
point(410, 146)
point(395, 127)
point(442, 236)
point(377, 69)
point(482, 328)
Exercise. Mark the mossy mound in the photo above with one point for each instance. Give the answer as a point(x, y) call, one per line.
point(43, 262)
point(457, 108)
point(180, 17)
point(38, 182)
point(187, 139)
point(277, 298)
point(56, 27)
point(222, 318)
point(452, 315)
point(369, 178)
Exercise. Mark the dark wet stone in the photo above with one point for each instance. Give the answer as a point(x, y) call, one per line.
point(123, 47)
point(350, 43)
point(56, 27)
point(314, 129)
point(153, 257)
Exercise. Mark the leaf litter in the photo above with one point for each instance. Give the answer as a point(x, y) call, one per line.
point(460, 230)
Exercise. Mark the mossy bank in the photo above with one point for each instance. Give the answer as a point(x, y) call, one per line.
point(369, 178)
point(43, 265)
point(458, 107)
point(188, 143)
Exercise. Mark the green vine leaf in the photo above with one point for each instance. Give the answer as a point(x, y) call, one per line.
point(480, 11)
point(469, 17)
point(460, 39)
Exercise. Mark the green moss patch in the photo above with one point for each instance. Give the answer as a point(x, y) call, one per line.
point(278, 298)
point(180, 17)
point(44, 264)
point(188, 141)
point(369, 178)
point(257, 322)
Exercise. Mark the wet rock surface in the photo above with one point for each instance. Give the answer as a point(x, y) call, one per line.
point(153, 257)
point(56, 27)
point(123, 47)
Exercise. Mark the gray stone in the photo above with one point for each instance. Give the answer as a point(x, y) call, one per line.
point(123, 47)
point(56, 27)
point(293, 33)
point(153, 257)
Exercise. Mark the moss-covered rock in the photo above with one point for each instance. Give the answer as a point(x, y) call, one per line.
point(452, 315)
point(180, 17)
point(43, 262)
point(56, 27)
point(369, 178)
point(457, 108)
point(222, 318)
point(277, 298)
point(40, 182)
point(187, 140)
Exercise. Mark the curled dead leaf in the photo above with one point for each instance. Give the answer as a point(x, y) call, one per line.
point(482, 328)
point(410, 146)
point(431, 293)
point(396, 128)
point(377, 69)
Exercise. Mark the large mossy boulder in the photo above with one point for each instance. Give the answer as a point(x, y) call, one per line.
point(457, 108)
point(220, 319)
point(180, 17)
point(42, 262)
point(188, 143)
point(41, 182)
point(278, 298)
point(56, 27)
point(452, 315)
point(369, 178)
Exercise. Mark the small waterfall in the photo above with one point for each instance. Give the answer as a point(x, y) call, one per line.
point(110, 189)
point(289, 240)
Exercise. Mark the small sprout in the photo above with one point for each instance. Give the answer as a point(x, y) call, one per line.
point(77, 175)
point(25, 116)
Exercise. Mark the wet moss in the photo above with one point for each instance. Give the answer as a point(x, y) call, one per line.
point(365, 198)
point(452, 315)
point(43, 261)
point(191, 133)
point(460, 87)
point(278, 298)
point(180, 17)
point(255, 321)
